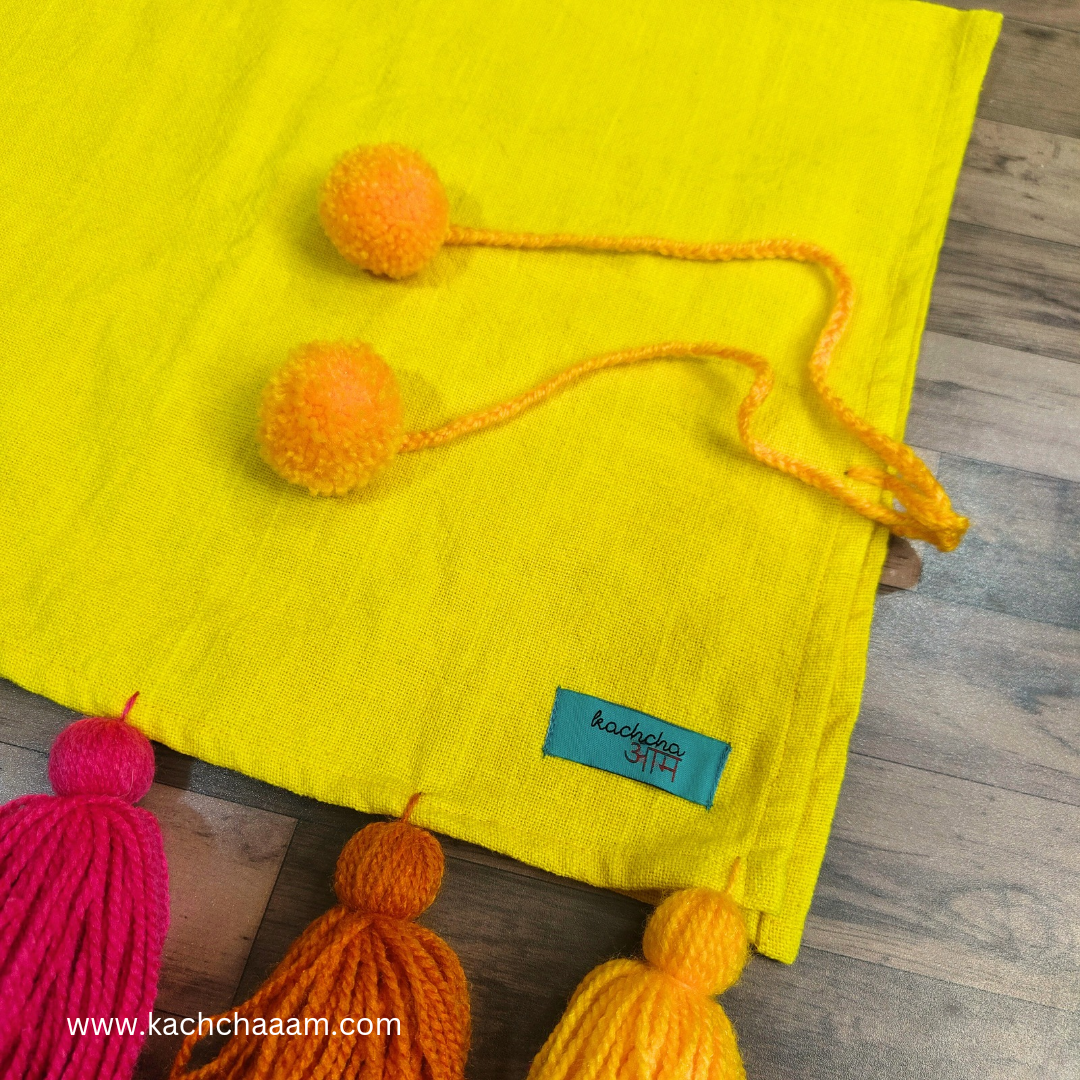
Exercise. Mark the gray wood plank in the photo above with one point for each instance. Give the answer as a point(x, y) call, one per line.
point(1020, 181)
point(973, 694)
point(955, 880)
point(223, 862)
point(1021, 554)
point(1034, 78)
point(22, 772)
point(1064, 14)
point(28, 720)
point(158, 1052)
point(829, 1017)
point(987, 402)
point(1008, 290)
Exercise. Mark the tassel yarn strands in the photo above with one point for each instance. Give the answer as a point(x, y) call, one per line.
point(657, 1020)
point(83, 908)
point(363, 958)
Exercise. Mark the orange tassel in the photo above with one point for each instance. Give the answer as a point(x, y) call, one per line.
point(630, 1020)
point(365, 958)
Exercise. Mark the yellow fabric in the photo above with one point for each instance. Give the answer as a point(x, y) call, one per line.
point(161, 255)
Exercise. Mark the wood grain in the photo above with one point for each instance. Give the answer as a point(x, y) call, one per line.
point(1009, 290)
point(829, 1017)
point(1064, 14)
point(515, 934)
point(180, 770)
point(1021, 553)
point(973, 694)
point(902, 568)
point(832, 1017)
point(1034, 78)
point(303, 891)
point(158, 1052)
point(955, 880)
point(22, 772)
point(1020, 181)
point(984, 401)
point(223, 862)
point(30, 721)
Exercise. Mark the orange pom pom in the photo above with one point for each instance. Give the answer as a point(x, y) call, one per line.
point(384, 209)
point(330, 418)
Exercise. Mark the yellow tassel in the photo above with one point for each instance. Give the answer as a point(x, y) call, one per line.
point(656, 1020)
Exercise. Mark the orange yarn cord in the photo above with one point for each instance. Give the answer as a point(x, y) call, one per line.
point(926, 512)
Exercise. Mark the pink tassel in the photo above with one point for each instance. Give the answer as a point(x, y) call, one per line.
point(84, 906)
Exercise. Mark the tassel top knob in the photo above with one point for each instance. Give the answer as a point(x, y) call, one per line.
point(698, 937)
point(390, 868)
point(102, 755)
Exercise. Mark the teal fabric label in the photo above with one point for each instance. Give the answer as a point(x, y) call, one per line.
point(633, 744)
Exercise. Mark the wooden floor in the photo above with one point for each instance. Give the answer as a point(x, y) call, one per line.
point(944, 940)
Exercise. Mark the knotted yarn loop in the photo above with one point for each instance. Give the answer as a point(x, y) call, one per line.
point(926, 515)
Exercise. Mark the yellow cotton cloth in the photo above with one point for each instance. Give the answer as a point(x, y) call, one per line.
point(161, 254)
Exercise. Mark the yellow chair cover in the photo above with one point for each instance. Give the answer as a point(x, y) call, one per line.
point(161, 254)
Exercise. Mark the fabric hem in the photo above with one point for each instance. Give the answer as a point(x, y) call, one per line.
point(780, 936)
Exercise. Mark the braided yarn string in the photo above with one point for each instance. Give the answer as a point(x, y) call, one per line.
point(330, 418)
point(927, 513)
point(363, 958)
point(83, 909)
